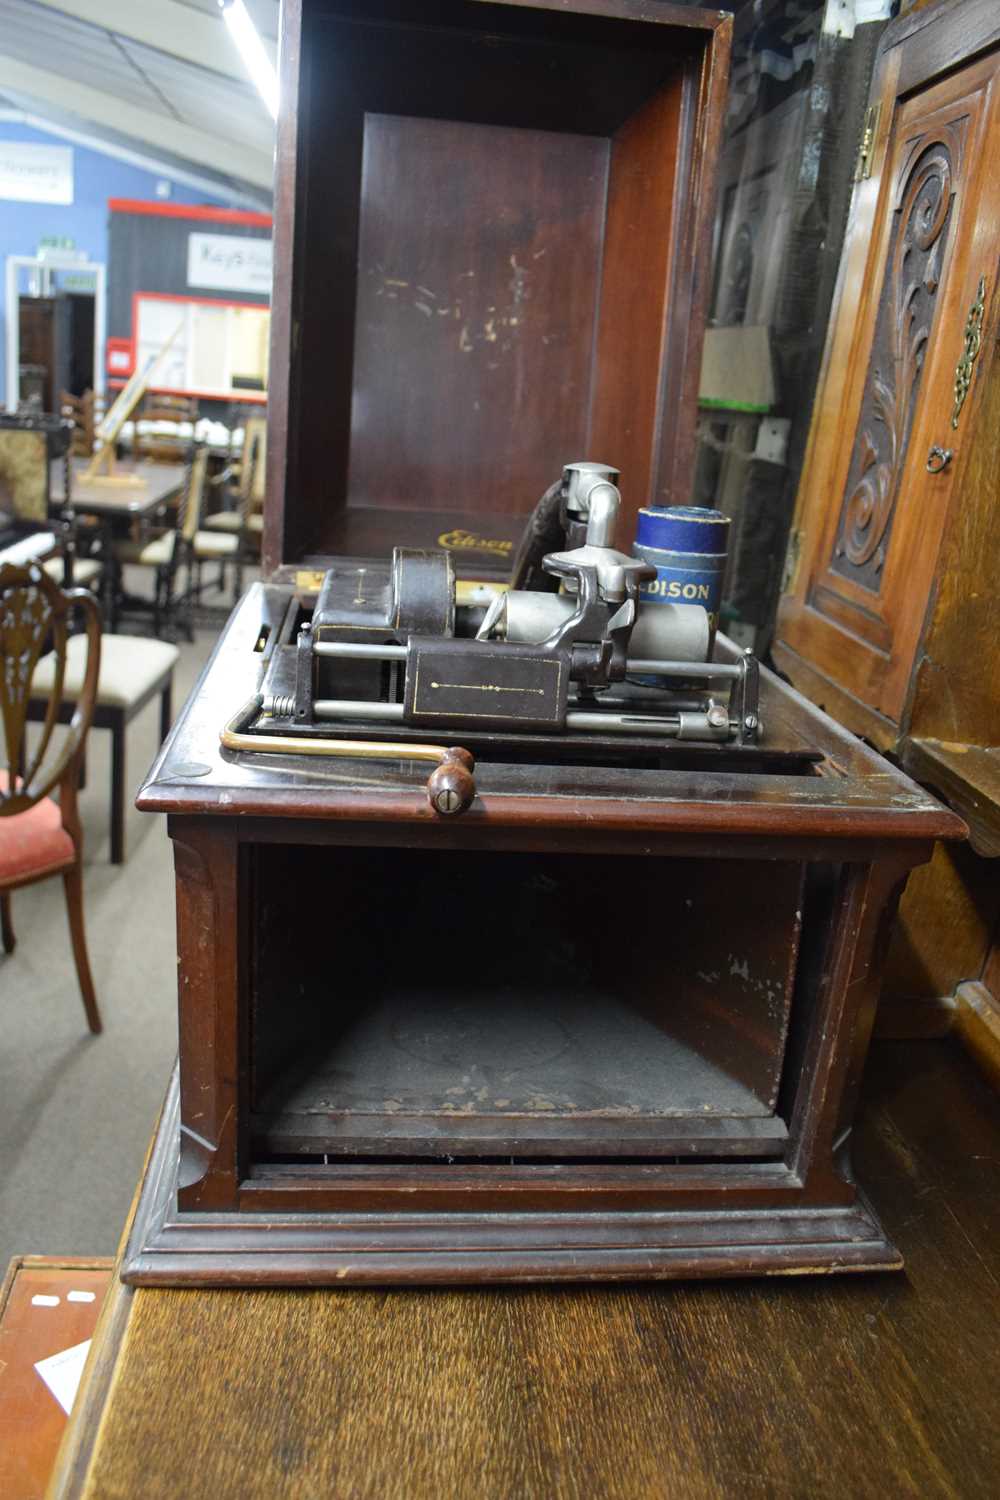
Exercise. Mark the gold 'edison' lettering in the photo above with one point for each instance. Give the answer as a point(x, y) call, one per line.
point(467, 541)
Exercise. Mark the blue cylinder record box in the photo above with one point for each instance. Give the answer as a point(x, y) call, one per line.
point(687, 545)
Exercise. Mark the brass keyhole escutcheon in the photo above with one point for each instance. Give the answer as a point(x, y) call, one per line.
point(938, 459)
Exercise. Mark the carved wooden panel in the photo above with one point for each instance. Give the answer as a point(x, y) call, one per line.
point(927, 181)
point(885, 459)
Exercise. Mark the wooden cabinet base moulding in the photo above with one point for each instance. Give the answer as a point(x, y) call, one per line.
point(273, 1243)
point(609, 1023)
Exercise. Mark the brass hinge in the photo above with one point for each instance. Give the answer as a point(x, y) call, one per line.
point(863, 166)
point(309, 580)
point(973, 344)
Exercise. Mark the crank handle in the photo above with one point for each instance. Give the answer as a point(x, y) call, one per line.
point(450, 786)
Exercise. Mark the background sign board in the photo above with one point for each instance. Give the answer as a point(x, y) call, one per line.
point(229, 263)
point(36, 174)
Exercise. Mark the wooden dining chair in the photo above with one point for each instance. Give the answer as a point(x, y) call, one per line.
point(242, 483)
point(164, 427)
point(169, 550)
point(241, 520)
point(134, 671)
point(39, 837)
point(85, 413)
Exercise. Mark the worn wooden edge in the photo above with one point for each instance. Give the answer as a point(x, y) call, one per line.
point(745, 826)
point(287, 1133)
point(852, 1244)
point(955, 772)
point(981, 29)
point(977, 1023)
point(747, 1243)
point(13, 1266)
point(166, 1248)
point(80, 1436)
point(921, 13)
point(693, 18)
point(874, 800)
point(850, 825)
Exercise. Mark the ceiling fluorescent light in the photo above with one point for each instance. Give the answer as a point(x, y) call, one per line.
point(251, 50)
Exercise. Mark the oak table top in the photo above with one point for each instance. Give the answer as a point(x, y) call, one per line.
point(158, 483)
point(818, 1386)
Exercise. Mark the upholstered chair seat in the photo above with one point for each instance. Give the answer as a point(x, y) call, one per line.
point(33, 844)
point(40, 836)
point(86, 571)
point(213, 546)
point(157, 553)
point(131, 667)
point(133, 670)
point(224, 520)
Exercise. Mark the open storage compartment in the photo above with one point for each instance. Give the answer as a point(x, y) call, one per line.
point(493, 224)
point(479, 1006)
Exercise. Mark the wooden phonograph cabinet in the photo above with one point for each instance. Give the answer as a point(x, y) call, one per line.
point(889, 620)
point(524, 934)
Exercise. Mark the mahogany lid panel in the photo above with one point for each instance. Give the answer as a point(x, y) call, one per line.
point(469, 289)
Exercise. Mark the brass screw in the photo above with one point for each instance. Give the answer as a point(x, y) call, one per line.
point(447, 801)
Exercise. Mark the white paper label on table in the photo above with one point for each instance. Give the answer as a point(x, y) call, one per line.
point(61, 1373)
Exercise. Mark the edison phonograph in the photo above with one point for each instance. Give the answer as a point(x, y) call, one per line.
point(524, 932)
point(589, 998)
point(587, 650)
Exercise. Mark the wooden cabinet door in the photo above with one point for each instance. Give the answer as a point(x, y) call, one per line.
point(919, 266)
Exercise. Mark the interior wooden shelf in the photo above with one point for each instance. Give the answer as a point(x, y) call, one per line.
point(475, 1070)
point(483, 1005)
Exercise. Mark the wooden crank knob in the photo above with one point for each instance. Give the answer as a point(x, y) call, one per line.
point(451, 787)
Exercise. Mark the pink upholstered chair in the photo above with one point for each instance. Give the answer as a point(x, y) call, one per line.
point(39, 837)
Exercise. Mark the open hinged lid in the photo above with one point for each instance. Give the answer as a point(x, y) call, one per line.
point(492, 232)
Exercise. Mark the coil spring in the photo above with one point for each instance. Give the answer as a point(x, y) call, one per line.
point(279, 706)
